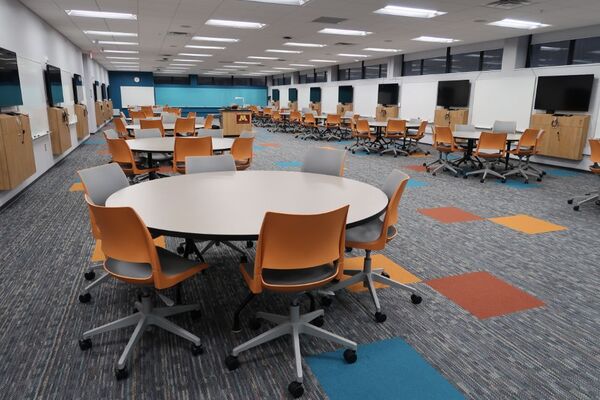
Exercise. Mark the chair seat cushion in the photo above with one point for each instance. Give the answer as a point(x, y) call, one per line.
point(160, 157)
point(365, 233)
point(171, 264)
point(293, 277)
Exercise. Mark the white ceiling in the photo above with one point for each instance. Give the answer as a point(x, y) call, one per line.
point(157, 17)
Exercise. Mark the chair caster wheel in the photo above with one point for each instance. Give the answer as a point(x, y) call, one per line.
point(348, 249)
point(243, 259)
point(385, 274)
point(427, 153)
point(416, 299)
point(121, 374)
point(89, 276)
point(456, 175)
point(539, 179)
point(576, 208)
point(249, 244)
point(195, 314)
point(482, 180)
point(570, 201)
point(350, 356)
point(180, 249)
point(85, 344)
point(380, 317)
point(433, 174)
point(504, 180)
point(526, 182)
point(197, 350)
point(85, 298)
point(232, 363)
point(319, 321)
point(353, 152)
point(255, 324)
point(326, 301)
point(424, 164)
point(296, 389)
point(465, 176)
point(543, 173)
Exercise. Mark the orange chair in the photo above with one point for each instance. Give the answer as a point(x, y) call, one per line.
point(121, 127)
point(414, 138)
point(192, 114)
point(276, 123)
point(185, 127)
point(333, 127)
point(208, 121)
point(137, 115)
point(527, 147)
point(122, 155)
point(148, 111)
point(294, 255)
point(373, 236)
point(491, 148)
point(443, 142)
point(595, 169)
point(172, 110)
point(361, 132)
point(310, 129)
point(394, 132)
point(188, 147)
point(295, 121)
point(153, 123)
point(132, 257)
point(242, 152)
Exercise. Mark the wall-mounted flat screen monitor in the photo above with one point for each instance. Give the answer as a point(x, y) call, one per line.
point(95, 90)
point(10, 86)
point(388, 94)
point(293, 94)
point(453, 94)
point(77, 89)
point(108, 92)
point(564, 93)
point(103, 91)
point(345, 94)
point(275, 94)
point(315, 94)
point(54, 89)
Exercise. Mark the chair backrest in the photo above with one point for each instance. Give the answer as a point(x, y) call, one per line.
point(169, 118)
point(422, 128)
point(198, 164)
point(102, 181)
point(191, 146)
point(464, 128)
point(362, 127)
point(332, 119)
point(208, 121)
point(295, 116)
point(120, 126)
point(137, 115)
point(595, 150)
point(191, 114)
point(492, 141)
point(185, 126)
point(505, 126)
point(147, 133)
point(395, 126)
point(394, 186)
point(291, 242)
point(120, 151)
point(241, 149)
point(349, 114)
point(267, 111)
point(443, 136)
point(153, 123)
point(276, 116)
point(528, 139)
point(309, 118)
point(148, 111)
point(318, 160)
point(110, 134)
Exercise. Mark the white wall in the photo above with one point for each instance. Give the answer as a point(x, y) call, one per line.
point(36, 43)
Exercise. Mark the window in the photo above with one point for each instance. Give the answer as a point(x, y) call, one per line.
point(171, 80)
point(587, 51)
point(549, 54)
point(306, 76)
point(410, 68)
point(435, 65)
point(222, 80)
point(492, 60)
point(258, 81)
point(376, 71)
point(205, 80)
point(465, 62)
point(321, 76)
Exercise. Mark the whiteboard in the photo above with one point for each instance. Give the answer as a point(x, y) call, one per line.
point(33, 89)
point(303, 97)
point(418, 100)
point(503, 99)
point(137, 96)
point(329, 99)
point(365, 99)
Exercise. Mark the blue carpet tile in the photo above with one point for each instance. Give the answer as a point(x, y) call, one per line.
point(413, 183)
point(288, 164)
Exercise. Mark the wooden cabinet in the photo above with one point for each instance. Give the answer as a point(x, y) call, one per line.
point(315, 107)
point(293, 105)
point(382, 113)
point(107, 108)
point(17, 162)
point(234, 122)
point(564, 136)
point(99, 108)
point(60, 136)
point(342, 108)
point(83, 129)
point(451, 118)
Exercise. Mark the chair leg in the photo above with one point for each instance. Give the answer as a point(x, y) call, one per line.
point(135, 337)
point(174, 329)
point(271, 334)
point(236, 317)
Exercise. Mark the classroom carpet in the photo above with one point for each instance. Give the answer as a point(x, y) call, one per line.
point(436, 348)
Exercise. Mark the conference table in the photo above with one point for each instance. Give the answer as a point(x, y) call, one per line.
point(471, 136)
point(168, 126)
point(230, 206)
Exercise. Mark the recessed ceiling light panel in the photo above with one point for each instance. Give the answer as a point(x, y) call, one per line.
point(101, 14)
point(110, 33)
point(283, 51)
point(235, 24)
point(344, 32)
point(215, 39)
point(297, 44)
point(408, 12)
point(435, 39)
point(518, 24)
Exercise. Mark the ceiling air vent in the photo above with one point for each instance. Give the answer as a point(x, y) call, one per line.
point(508, 4)
point(329, 20)
point(175, 33)
point(344, 44)
point(226, 62)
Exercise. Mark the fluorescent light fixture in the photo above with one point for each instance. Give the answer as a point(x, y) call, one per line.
point(352, 55)
point(125, 62)
point(284, 2)
point(518, 24)
point(222, 69)
point(235, 66)
point(262, 58)
point(178, 68)
point(322, 61)
point(283, 51)
point(284, 68)
point(110, 33)
point(215, 39)
point(169, 71)
point(182, 65)
point(187, 60)
point(408, 12)
point(345, 32)
point(247, 62)
point(268, 71)
point(235, 24)
point(194, 55)
point(101, 14)
point(193, 46)
point(382, 50)
point(301, 65)
point(434, 39)
point(296, 44)
point(117, 43)
point(121, 51)
point(214, 73)
point(122, 58)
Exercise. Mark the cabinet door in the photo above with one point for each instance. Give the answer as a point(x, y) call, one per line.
point(442, 118)
point(16, 151)
point(65, 133)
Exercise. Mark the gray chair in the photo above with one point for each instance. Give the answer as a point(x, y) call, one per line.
point(151, 133)
point(169, 118)
point(374, 235)
point(505, 126)
point(111, 134)
point(214, 133)
point(99, 183)
point(324, 161)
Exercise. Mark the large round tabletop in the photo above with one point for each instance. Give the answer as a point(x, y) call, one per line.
point(168, 126)
point(167, 144)
point(232, 205)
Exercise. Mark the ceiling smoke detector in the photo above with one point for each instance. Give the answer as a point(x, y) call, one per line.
point(508, 4)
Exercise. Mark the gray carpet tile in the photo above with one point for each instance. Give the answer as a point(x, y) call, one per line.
point(550, 352)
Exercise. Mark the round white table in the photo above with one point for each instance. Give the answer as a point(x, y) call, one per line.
point(167, 144)
point(472, 136)
point(169, 126)
point(232, 205)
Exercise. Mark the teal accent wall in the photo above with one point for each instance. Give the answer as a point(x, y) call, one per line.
point(208, 96)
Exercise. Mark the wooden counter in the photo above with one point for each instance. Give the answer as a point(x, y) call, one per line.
point(234, 122)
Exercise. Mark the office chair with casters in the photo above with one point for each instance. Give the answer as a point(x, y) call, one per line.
point(309, 127)
point(98, 184)
point(295, 254)
point(132, 257)
point(527, 147)
point(276, 122)
point(414, 137)
point(121, 127)
point(504, 127)
point(191, 114)
point(185, 127)
point(153, 124)
point(333, 127)
point(208, 121)
point(444, 143)
point(363, 136)
point(491, 150)
point(187, 147)
point(122, 155)
point(595, 169)
point(395, 131)
point(324, 161)
point(295, 122)
point(242, 152)
point(373, 236)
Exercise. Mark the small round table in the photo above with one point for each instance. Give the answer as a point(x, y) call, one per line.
point(168, 126)
point(167, 144)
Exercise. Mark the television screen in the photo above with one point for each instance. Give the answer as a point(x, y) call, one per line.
point(10, 86)
point(103, 86)
point(293, 94)
point(54, 85)
point(275, 94)
point(453, 93)
point(315, 94)
point(108, 92)
point(345, 94)
point(564, 93)
point(77, 89)
point(388, 93)
point(95, 89)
